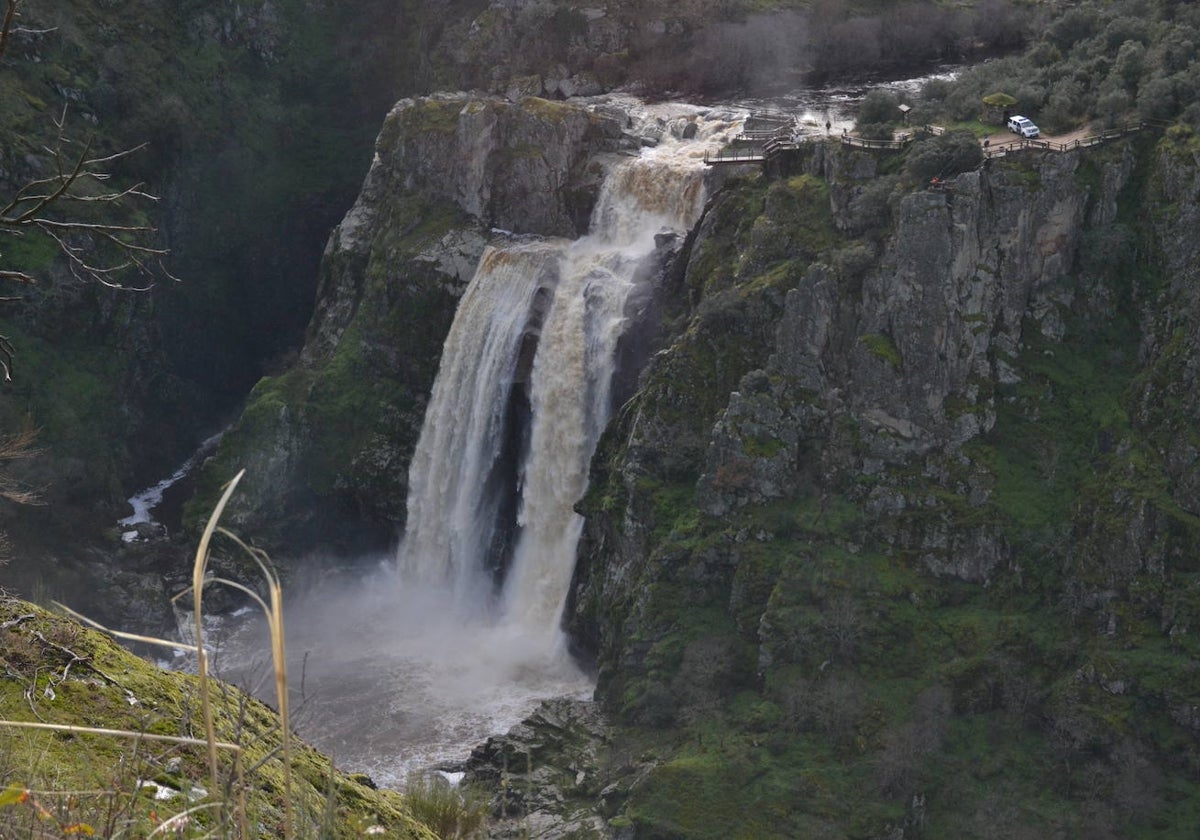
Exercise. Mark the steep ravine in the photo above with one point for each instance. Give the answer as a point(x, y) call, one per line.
point(894, 537)
point(257, 121)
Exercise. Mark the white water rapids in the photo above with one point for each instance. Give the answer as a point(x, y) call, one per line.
point(443, 648)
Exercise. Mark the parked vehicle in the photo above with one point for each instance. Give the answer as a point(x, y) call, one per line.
point(1023, 126)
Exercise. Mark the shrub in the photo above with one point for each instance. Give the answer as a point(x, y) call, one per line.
point(875, 131)
point(871, 209)
point(855, 260)
point(451, 812)
point(1112, 104)
point(1156, 99)
point(1076, 25)
point(879, 106)
point(941, 157)
point(1069, 101)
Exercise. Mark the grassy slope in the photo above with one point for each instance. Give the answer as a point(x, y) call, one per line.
point(56, 671)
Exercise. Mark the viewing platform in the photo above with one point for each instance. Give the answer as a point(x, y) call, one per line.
point(761, 145)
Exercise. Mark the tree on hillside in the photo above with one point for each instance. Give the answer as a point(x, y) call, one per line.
point(73, 210)
point(877, 112)
point(943, 156)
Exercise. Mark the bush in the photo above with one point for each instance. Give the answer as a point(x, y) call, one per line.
point(1156, 99)
point(1069, 102)
point(941, 157)
point(449, 811)
point(879, 106)
point(871, 209)
point(875, 131)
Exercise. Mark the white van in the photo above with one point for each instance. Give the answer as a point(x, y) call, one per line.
point(1022, 126)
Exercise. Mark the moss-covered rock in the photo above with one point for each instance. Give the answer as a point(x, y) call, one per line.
point(937, 540)
point(60, 673)
point(327, 443)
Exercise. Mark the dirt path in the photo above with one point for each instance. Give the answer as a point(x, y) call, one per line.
point(1069, 137)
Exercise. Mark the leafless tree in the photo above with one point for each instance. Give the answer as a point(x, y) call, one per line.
point(74, 208)
point(44, 206)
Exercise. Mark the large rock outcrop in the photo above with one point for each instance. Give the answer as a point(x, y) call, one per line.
point(895, 481)
point(327, 444)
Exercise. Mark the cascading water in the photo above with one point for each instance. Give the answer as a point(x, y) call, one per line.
point(459, 639)
point(452, 503)
point(573, 370)
point(452, 519)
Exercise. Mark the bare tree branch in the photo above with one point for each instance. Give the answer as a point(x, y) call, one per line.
point(62, 209)
point(95, 251)
point(8, 26)
point(10, 19)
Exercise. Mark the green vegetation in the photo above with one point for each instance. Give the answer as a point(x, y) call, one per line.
point(973, 642)
point(258, 124)
point(883, 347)
point(1102, 62)
point(877, 115)
point(943, 156)
point(448, 811)
point(97, 741)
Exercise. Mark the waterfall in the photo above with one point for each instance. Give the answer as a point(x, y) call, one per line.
point(451, 513)
point(565, 303)
point(458, 637)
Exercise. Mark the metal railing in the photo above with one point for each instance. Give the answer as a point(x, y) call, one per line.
point(734, 155)
point(1087, 141)
point(768, 142)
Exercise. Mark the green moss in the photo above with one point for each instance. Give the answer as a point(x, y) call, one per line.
point(883, 347)
point(68, 391)
point(526, 151)
point(695, 797)
point(109, 687)
point(762, 446)
point(413, 223)
point(431, 116)
point(1069, 403)
point(548, 110)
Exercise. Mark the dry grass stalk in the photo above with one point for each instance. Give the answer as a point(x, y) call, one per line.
point(272, 608)
point(121, 733)
point(274, 616)
point(199, 568)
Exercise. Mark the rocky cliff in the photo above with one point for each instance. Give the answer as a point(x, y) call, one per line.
point(894, 537)
point(905, 514)
point(327, 443)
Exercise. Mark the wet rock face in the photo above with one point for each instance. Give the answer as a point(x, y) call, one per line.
point(547, 774)
point(517, 166)
point(327, 443)
point(884, 372)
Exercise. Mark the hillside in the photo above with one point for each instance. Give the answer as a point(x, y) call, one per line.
point(60, 673)
point(893, 531)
